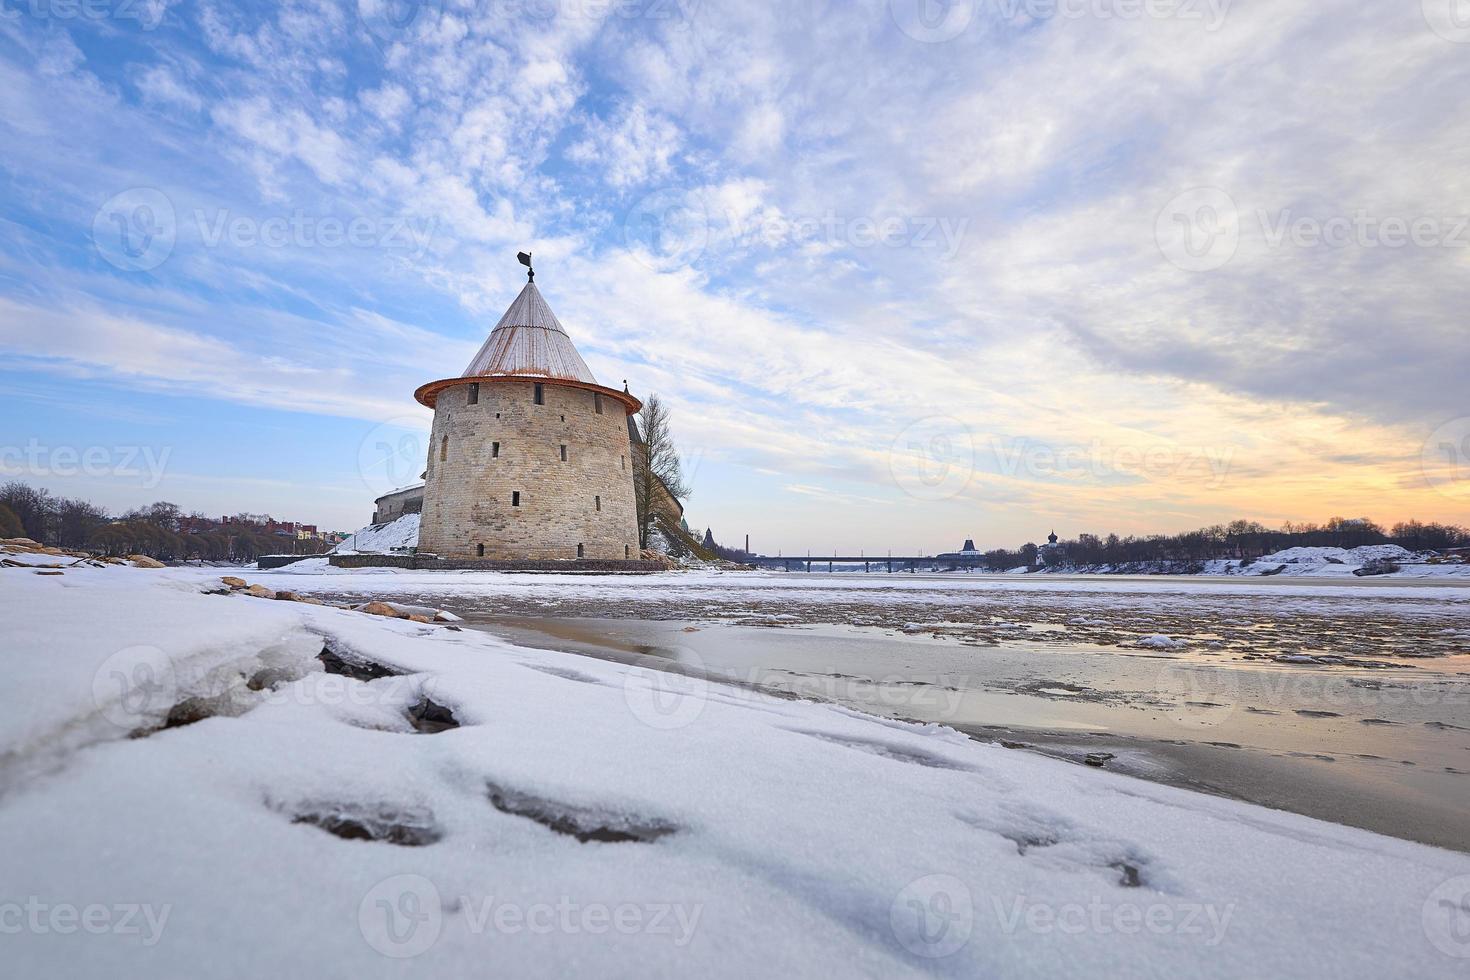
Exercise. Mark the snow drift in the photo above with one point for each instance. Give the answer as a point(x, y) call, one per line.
point(398, 534)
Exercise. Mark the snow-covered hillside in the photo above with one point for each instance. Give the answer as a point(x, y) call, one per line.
point(1355, 557)
point(224, 785)
point(1377, 560)
point(382, 538)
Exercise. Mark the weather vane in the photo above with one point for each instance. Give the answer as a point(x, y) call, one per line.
point(525, 258)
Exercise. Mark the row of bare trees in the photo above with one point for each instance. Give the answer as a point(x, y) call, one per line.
point(155, 530)
point(142, 538)
point(27, 511)
point(1239, 539)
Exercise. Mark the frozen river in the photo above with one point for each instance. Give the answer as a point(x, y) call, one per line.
point(1347, 701)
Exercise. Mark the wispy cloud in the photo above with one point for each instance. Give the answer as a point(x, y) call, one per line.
point(811, 227)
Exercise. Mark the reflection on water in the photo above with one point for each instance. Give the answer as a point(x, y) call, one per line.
point(1351, 747)
point(1217, 693)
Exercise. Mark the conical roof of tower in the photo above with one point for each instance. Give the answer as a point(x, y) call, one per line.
point(529, 341)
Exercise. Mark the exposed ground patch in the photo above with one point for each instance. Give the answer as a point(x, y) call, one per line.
point(586, 824)
point(565, 673)
point(404, 826)
point(350, 665)
point(886, 750)
point(430, 717)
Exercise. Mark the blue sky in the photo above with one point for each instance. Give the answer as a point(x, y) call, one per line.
point(905, 272)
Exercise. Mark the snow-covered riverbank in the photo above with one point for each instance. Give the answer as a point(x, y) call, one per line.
point(1388, 561)
point(427, 798)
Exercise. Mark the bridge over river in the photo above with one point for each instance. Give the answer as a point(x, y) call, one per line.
point(888, 563)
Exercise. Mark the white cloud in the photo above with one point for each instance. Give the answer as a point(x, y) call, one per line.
point(760, 133)
point(84, 341)
point(388, 103)
point(161, 86)
point(633, 148)
point(273, 132)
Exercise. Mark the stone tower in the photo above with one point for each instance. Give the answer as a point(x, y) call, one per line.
point(529, 456)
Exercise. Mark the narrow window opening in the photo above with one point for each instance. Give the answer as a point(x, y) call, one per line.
point(540, 394)
point(495, 450)
point(475, 393)
point(597, 501)
point(515, 498)
point(579, 551)
point(497, 415)
point(480, 550)
point(563, 418)
point(597, 401)
point(623, 462)
point(625, 551)
point(563, 454)
point(443, 449)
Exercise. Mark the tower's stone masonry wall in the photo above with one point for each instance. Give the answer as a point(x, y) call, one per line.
point(469, 493)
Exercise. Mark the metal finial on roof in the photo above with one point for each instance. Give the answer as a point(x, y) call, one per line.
point(525, 259)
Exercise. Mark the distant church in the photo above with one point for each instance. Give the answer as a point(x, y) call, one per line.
point(1052, 553)
point(529, 457)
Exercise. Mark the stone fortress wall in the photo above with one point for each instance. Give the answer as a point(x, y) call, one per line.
point(578, 496)
point(391, 506)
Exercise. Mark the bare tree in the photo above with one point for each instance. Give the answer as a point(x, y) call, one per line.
point(33, 507)
point(161, 514)
point(656, 465)
point(10, 525)
point(76, 520)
